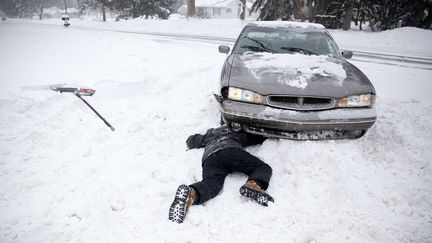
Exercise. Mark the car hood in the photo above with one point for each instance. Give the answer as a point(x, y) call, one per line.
point(288, 74)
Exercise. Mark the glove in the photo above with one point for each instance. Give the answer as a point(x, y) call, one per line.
point(194, 141)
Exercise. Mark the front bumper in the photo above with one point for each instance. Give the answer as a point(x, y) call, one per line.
point(276, 122)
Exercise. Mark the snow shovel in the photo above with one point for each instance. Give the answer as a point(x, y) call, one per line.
point(80, 92)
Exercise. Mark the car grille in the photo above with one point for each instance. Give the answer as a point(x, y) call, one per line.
point(300, 103)
point(304, 135)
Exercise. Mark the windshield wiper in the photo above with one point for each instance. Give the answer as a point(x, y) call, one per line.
point(254, 48)
point(261, 46)
point(300, 50)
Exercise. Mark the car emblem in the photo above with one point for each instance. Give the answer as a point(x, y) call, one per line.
point(300, 101)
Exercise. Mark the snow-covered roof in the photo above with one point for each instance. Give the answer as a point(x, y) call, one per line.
point(276, 24)
point(52, 10)
point(212, 3)
point(72, 10)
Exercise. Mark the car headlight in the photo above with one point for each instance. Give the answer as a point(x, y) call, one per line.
point(363, 100)
point(244, 95)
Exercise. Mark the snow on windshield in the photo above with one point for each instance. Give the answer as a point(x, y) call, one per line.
point(258, 39)
point(277, 24)
point(295, 70)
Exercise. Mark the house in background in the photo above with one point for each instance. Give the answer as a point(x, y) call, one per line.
point(55, 12)
point(52, 12)
point(73, 13)
point(219, 9)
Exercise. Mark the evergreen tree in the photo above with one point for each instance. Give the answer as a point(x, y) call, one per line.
point(147, 8)
point(9, 8)
point(361, 12)
point(273, 9)
point(120, 6)
point(385, 14)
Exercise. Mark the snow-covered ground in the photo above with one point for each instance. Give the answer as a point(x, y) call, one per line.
point(404, 41)
point(65, 177)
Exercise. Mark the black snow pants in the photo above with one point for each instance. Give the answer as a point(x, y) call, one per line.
point(219, 165)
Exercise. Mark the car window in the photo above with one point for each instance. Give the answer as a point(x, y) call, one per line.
point(285, 40)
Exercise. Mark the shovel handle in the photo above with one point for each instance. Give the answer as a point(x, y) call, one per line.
point(97, 113)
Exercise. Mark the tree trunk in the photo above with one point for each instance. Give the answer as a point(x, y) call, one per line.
point(65, 6)
point(297, 9)
point(427, 22)
point(191, 8)
point(41, 13)
point(348, 14)
point(362, 20)
point(243, 10)
point(134, 10)
point(356, 18)
point(103, 13)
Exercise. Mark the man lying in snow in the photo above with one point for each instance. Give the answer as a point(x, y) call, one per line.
point(223, 154)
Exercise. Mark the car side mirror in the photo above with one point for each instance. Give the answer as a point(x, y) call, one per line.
point(347, 54)
point(224, 49)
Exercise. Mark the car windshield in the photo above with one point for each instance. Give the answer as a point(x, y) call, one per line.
point(285, 40)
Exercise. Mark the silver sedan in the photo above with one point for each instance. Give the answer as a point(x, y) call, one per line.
point(290, 80)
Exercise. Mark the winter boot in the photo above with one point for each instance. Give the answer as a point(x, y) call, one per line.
point(251, 190)
point(183, 199)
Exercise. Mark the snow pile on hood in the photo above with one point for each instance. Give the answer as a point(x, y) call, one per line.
point(295, 70)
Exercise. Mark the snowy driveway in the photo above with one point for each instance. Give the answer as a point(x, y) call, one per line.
point(65, 177)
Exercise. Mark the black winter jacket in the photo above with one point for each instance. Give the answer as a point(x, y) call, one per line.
point(216, 139)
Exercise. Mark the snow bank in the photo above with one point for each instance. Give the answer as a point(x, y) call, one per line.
point(295, 69)
point(406, 37)
point(403, 41)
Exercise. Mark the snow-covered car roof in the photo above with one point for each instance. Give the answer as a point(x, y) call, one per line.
point(290, 24)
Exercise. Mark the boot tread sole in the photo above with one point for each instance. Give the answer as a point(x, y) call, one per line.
point(177, 210)
point(260, 197)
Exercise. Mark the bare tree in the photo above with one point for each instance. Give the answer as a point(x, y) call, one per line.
point(37, 6)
